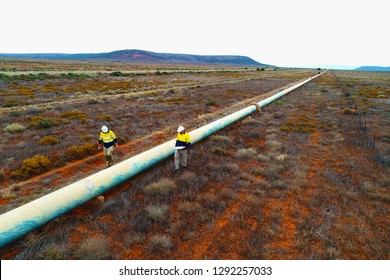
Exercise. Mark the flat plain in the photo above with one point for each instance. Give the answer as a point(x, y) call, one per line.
point(307, 177)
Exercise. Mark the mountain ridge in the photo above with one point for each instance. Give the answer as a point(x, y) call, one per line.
point(142, 56)
point(373, 68)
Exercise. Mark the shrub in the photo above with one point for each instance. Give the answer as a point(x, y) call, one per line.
point(227, 193)
point(218, 151)
point(161, 73)
point(40, 122)
point(213, 202)
point(14, 128)
point(189, 207)
point(163, 187)
point(189, 180)
point(96, 101)
point(348, 111)
point(272, 171)
point(79, 152)
point(54, 252)
point(105, 118)
point(281, 157)
point(273, 145)
point(253, 134)
point(158, 213)
point(134, 237)
point(13, 103)
point(48, 140)
point(302, 123)
point(94, 249)
point(77, 76)
point(32, 166)
point(272, 136)
point(211, 103)
point(14, 114)
point(258, 170)
point(160, 243)
point(375, 192)
point(33, 111)
point(246, 153)
point(75, 115)
point(263, 158)
point(117, 74)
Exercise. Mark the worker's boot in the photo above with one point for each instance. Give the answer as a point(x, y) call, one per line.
point(108, 161)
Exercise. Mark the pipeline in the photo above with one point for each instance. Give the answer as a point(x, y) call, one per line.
point(21, 220)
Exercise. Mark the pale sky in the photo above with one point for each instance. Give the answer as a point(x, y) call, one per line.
point(285, 33)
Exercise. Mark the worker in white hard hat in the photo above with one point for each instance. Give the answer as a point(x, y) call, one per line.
point(183, 143)
point(108, 141)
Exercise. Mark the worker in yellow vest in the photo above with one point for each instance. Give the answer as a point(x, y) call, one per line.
point(108, 141)
point(183, 143)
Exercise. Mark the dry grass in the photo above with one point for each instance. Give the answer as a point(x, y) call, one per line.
point(158, 213)
point(160, 244)
point(76, 102)
point(162, 187)
point(93, 249)
point(246, 153)
point(254, 191)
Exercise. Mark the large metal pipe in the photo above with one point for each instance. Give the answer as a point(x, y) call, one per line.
point(21, 220)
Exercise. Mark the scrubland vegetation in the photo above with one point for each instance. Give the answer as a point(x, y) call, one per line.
point(305, 178)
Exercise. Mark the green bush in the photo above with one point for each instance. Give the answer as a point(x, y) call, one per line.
point(40, 122)
point(14, 114)
point(32, 166)
point(118, 74)
point(211, 103)
point(14, 128)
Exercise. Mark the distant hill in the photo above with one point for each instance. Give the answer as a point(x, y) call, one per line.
point(373, 68)
point(141, 56)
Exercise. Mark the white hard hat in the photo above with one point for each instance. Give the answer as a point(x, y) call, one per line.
point(180, 129)
point(104, 128)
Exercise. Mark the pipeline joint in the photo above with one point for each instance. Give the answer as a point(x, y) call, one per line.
point(258, 109)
